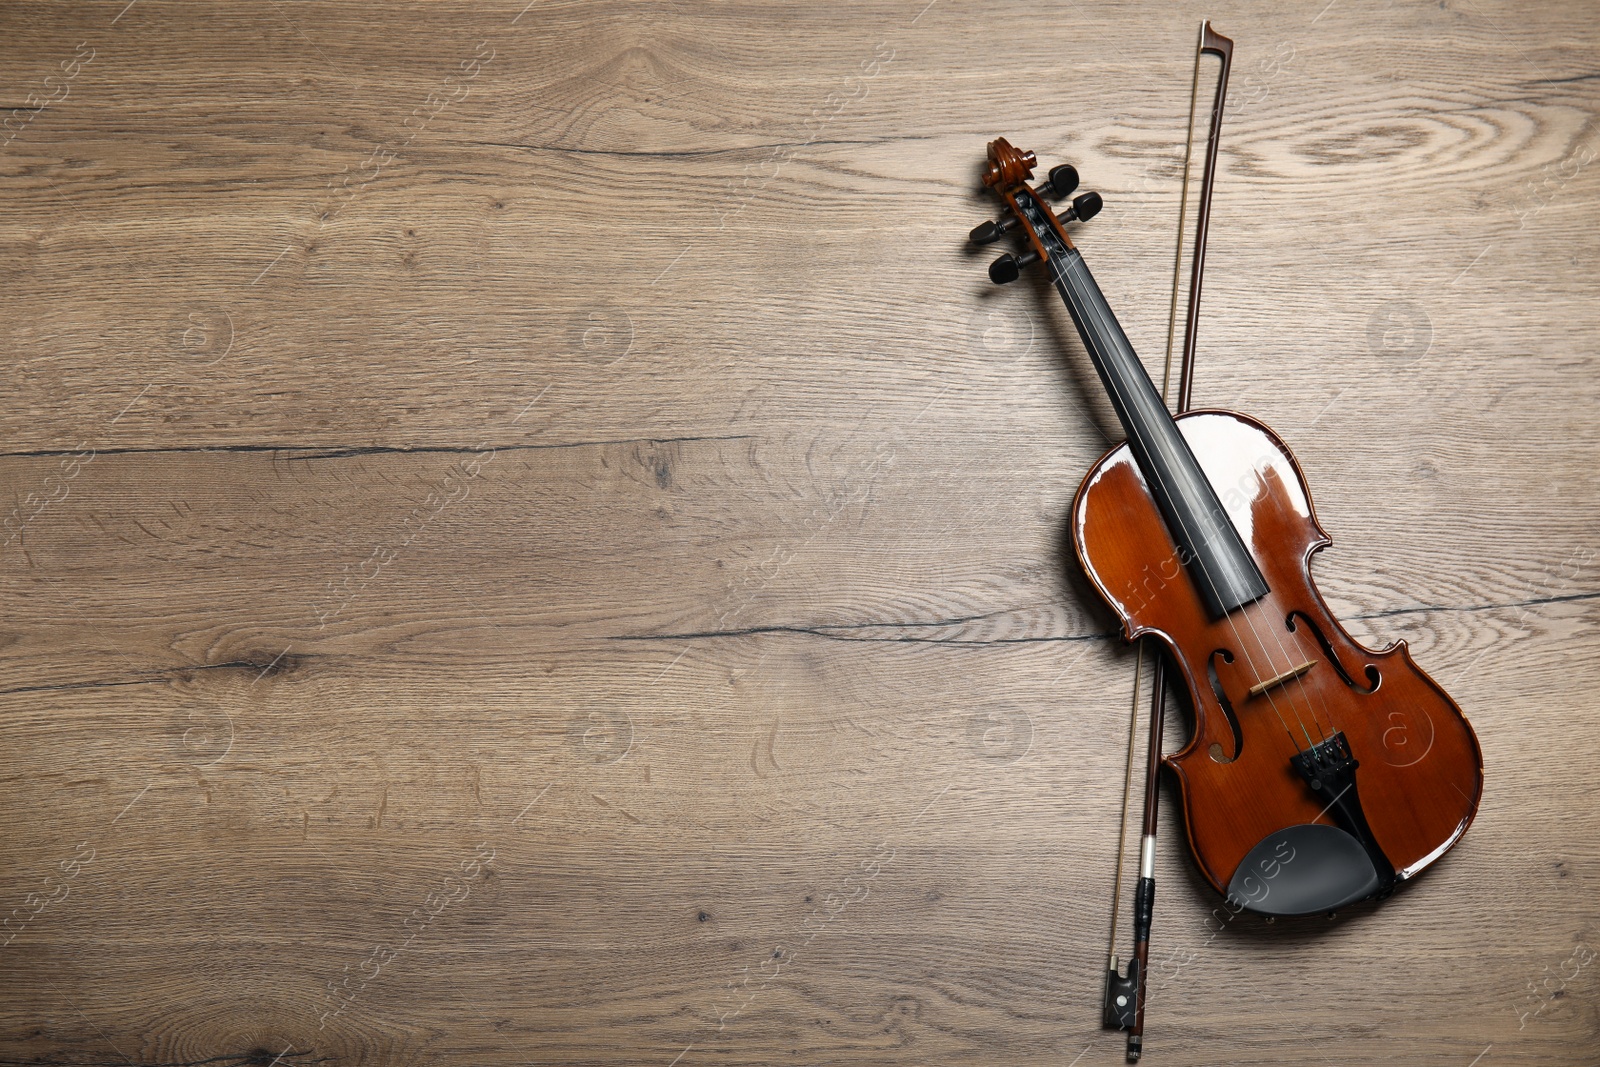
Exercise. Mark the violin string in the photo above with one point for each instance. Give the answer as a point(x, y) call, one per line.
point(1172, 319)
point(1172, 308)
point(1230, 616)
point(1177, 270)
point(1167, 381)
point(1177, 266)
point(1057, 271)
point(1172, 315)
point(1300, 679)
point(1186, 536)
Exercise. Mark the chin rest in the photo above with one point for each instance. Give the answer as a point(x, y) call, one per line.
point(1303, 870)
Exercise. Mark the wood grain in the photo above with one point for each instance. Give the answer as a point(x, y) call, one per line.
point(578, 435)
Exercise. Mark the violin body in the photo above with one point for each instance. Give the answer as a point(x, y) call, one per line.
point(1319, 772)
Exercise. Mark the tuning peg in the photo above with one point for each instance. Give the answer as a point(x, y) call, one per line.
point(1008, 268)
point(989, 232)
point(1084, 208)
point(1063, 180)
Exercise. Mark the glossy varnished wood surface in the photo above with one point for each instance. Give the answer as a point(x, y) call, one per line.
point(1421, 772)
point(757, 630)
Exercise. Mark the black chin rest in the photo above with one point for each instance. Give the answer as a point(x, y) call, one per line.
point(1303, 870)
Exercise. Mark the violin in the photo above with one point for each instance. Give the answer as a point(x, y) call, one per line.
point(1318, 772)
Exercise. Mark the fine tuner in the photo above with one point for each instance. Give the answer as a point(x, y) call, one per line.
point(1062, 181)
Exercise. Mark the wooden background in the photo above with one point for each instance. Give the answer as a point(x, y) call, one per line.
point(531, 540)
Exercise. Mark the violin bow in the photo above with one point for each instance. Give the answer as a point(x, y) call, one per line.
point(1124, 1005)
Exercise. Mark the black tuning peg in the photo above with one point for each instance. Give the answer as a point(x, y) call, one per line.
point(1084, 208)
point(1008, 268)
point(989, 232)
point(1063, 180)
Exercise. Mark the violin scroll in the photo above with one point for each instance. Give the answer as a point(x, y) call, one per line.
point(1007, 165)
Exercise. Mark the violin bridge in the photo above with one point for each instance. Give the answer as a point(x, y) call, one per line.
point(1287, 676)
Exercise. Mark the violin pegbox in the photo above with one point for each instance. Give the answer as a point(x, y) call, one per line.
point(1007, 172)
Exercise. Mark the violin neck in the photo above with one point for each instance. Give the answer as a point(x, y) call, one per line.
point(1225, 574)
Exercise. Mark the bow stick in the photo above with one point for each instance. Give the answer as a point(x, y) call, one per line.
point(1124, 1005)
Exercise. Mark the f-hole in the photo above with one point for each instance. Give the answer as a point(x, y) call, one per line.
point(1215, 751)
point(1369, 670)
